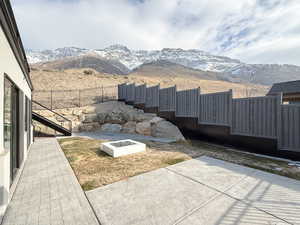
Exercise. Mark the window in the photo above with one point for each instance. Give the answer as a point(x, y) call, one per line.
point(11, 126)
point(26, 113)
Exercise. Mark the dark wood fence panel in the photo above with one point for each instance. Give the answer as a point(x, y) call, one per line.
point(122, 91)
point(289, 128)
point(130, 92)
point(215, 109)
point(255, 117)
point(167, 99)
point(140, 94)
point(187, 103)
point(152, 96)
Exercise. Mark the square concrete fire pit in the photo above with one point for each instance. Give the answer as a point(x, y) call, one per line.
point(123, 147)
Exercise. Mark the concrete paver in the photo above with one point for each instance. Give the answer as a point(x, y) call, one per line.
point(275, 194)
point(157, 197)
point(212, 172)
point(226, 210)
point(48, 192)
point(199, 191)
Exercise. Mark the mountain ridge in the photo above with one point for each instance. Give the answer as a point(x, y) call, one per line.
point(229, 69)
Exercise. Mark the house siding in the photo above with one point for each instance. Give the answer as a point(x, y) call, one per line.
point(10, 67)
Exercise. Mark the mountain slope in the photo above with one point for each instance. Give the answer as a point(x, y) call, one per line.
point(86, 61)
point(167, 69)
point(266, 74)
point(36, 56)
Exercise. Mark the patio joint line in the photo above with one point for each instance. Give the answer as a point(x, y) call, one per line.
point(221, 193)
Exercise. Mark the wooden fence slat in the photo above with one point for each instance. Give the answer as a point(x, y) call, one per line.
point(187, 103)
point(214, 109)
point(152, 96)
point(255, 117)
point(167, 99)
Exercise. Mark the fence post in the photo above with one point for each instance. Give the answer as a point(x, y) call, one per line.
point(175, 94)
point(158, 96)
point(102, 94)
point(279, 118)
point(230, 109)
point(79, 97)
point(51, 99)
point(198, 103)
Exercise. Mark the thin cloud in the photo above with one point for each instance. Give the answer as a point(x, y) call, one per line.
point(254, 31)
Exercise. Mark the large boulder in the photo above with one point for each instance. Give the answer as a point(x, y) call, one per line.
point(129, 127)
point(139, 117)
point(114, 117)
point(113, 128)
point(88, 126)
point(143, 128)
point(89, 109)
point(129, 115)
point(77, 111)
point(76, 126)
point(155, 120)
point(101, 118)
point(90, 118)
point(165, 129)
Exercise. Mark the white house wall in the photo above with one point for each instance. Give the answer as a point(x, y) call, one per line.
point(9, 65)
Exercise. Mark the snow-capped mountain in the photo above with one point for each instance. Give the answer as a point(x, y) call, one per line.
point(36, 56)
point(132, 59)
point(229, 69)
point(263, 73)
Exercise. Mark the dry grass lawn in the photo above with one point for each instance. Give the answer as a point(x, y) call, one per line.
point(95, 168)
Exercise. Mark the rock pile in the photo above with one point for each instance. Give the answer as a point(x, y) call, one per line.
point(118, 117)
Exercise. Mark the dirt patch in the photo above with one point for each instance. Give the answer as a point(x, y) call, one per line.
point(95, 168)
point(270, 165)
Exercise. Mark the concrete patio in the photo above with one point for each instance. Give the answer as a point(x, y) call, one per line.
point(48, 192)
point(199, 191)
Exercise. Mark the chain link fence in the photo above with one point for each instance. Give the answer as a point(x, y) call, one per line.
point(59, 99)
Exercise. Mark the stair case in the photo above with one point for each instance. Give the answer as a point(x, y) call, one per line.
point(64, 127)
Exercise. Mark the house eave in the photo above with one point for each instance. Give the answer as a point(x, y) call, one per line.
point(10, 29)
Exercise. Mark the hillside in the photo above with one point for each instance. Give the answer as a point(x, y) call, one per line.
point(266, 74)
point(78, 79)
point(168, 69)
point(85, 61)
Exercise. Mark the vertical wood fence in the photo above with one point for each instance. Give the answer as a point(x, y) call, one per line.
point(140, 94)
point(187, 103)
point(167, 99)
point(255, 117)
point(122, 91)
point(152, 96)
point(263, 117)
point(130, 93)
point(289, 128)
point(215, 109)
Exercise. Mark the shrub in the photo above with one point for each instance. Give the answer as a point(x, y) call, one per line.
point(88, 72)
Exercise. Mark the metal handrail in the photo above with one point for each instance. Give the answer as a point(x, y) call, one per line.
point(67, 120)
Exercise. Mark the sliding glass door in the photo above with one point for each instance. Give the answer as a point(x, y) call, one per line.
point(11, 125)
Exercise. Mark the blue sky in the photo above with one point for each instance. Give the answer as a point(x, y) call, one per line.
point(254, 31)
